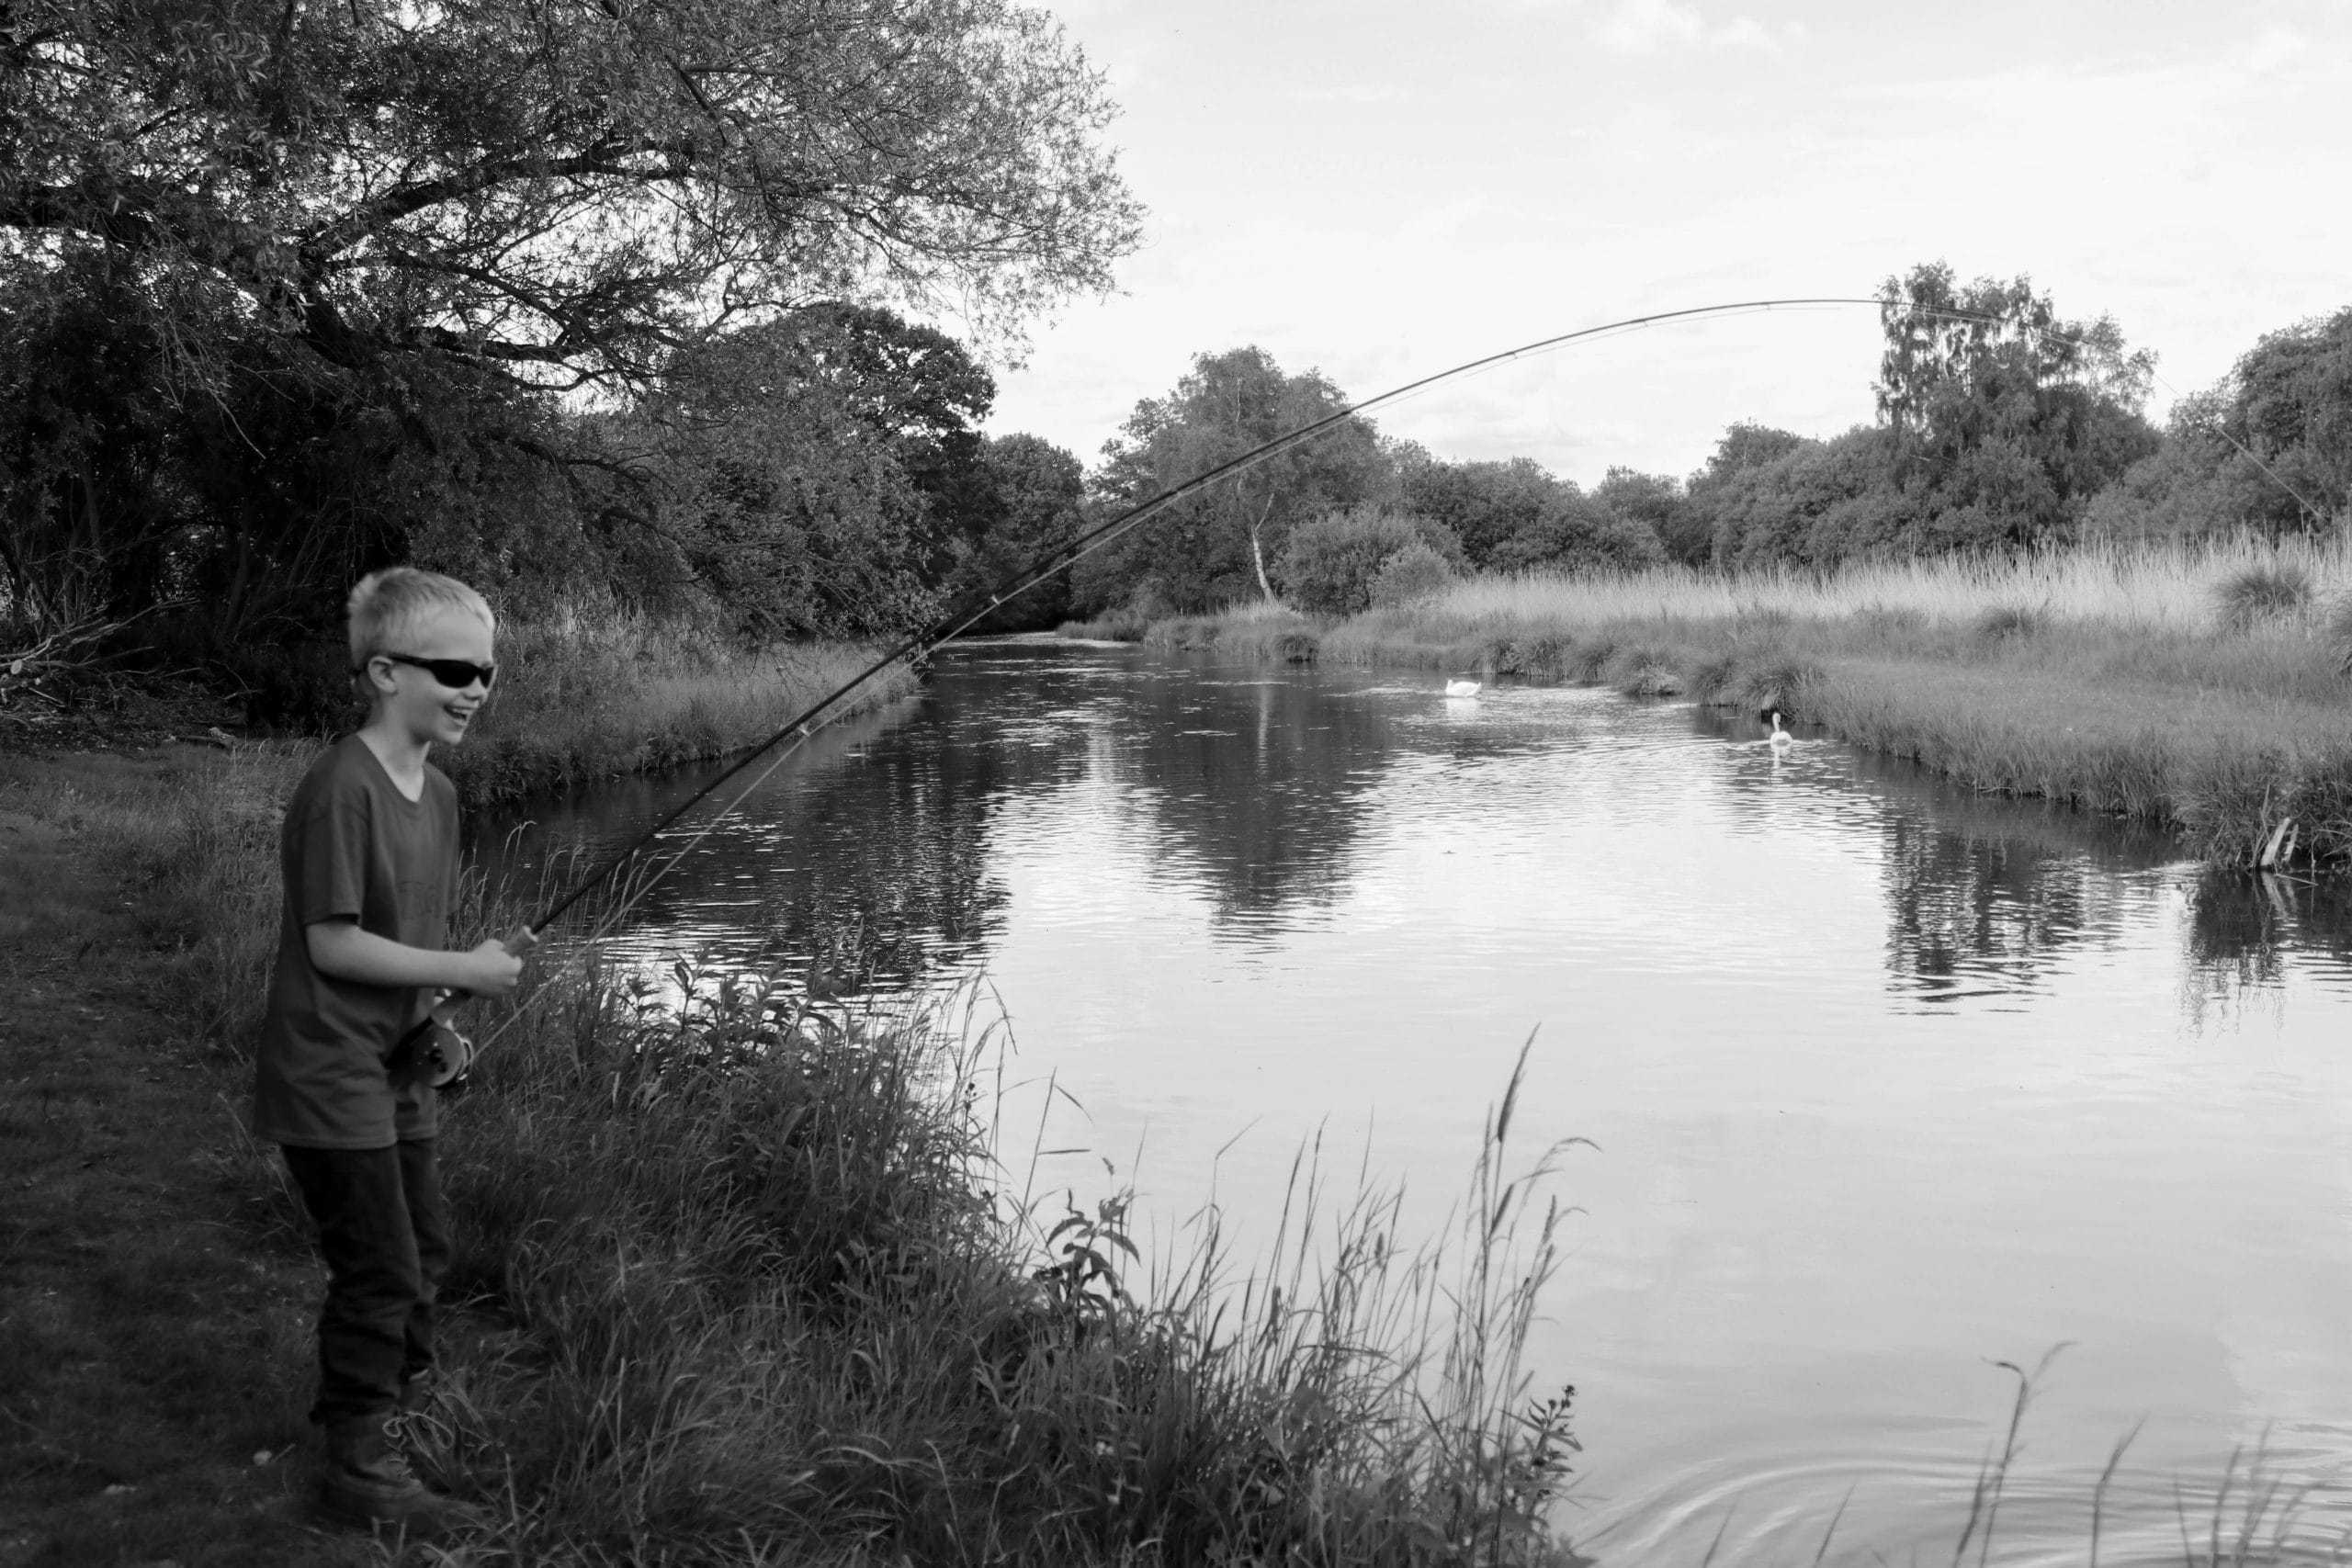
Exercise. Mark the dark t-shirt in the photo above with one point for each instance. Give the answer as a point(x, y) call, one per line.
point(353, 848)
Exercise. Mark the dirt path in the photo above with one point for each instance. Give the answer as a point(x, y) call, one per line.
point(154, 1297)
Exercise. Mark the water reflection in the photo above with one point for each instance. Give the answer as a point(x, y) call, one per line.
point(1257, 790)
point(1893, 1078)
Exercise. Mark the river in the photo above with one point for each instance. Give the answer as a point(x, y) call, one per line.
point(1883, 1082)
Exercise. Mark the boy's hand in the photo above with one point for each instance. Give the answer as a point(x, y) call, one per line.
point(492, 969)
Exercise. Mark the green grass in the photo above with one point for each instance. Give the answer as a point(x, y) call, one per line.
point(583, 698)
point(2202, 691)
point(744, 1286)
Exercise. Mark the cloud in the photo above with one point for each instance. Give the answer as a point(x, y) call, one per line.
point(1352, 93)
point(2277, 47)
point(1645, 27)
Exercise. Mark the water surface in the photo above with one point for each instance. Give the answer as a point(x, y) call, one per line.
point(1888, 1082)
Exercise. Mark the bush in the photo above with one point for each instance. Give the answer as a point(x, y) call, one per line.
point(1331, 563)
point(1999, 622)
point(1576, 534)
point(2339, 635)
point(2267, 590)
point(1414, 572)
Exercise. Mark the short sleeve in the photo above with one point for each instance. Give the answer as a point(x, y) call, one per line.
point(333, 858)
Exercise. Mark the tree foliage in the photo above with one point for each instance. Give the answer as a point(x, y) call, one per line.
point(1996, 406)
point(325, 273)
point(2269, 449)
point(1334, 564)
point(1219, 546)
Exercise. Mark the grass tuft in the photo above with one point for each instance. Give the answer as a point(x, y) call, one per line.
point(2263, 591)
point(1999, 623)
point(2339, 634)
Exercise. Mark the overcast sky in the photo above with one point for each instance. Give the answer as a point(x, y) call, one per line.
point(1381, 189)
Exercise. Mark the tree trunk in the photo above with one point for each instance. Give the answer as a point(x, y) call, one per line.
point(1257, 553)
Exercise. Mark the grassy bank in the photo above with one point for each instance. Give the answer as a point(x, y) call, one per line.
point(2197, 690)
point(737, 1285)
point(740, 1287)
point(583, 698)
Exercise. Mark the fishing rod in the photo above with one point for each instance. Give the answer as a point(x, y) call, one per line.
point(447, 1054)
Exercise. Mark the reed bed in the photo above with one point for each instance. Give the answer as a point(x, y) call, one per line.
point(2199, 689)
point(585, 696)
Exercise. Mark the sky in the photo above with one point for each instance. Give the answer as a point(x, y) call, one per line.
point(1379, 190)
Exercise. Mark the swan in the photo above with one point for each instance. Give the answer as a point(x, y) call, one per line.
point(1462, 688)
point(1780, 737)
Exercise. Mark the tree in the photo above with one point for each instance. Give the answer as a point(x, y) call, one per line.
point(1576, 534)
point(563, 188)
point(1215, 548)
point(387, 233)
point(1997, 407)
point(1482, 504)
point(1657, 502)
point(1333, 563)
point(2268, 448)
point(1036, 498)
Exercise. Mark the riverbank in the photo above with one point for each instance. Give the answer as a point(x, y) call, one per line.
point(2200, 691)
point(583, 699)
point(736, 1284)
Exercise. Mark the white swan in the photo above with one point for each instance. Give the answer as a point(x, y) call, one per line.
point(1780, 737)
point(1462, 688)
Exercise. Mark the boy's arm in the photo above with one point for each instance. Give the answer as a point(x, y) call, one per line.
point(338, 947)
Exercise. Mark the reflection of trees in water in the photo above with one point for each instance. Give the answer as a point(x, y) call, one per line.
point(2240, 925)
point(1257, 789)
point(1987, 887)
point(1959, 905)
point(867, 854)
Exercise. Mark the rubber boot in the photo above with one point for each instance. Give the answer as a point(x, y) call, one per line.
point(367, 1481)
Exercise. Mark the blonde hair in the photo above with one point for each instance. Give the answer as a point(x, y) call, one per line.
point(388, 606)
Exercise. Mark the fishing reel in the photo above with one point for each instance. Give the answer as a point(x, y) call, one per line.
point(434, 1050)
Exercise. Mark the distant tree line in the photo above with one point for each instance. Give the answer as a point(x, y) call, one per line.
point(2000, 426)
point(573, 298)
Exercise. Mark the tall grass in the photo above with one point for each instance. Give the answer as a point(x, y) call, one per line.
point(583, 697)
point(773, 1307)
point(758, 1291)
point(2201, 689)
point(755, 1294)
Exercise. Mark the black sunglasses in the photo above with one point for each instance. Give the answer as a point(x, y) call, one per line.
point(455, 673)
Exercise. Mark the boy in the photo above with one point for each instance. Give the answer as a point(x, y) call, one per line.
point(369, 857)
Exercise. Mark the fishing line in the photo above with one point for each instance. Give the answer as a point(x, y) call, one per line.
point(788, 739)
point(803, 723)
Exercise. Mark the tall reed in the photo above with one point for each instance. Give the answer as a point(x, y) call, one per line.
point(773, 1306)
point(2199, 688)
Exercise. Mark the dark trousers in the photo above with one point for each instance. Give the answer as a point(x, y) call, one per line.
point(384, 1232)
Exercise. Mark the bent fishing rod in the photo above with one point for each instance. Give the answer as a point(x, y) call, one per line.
point(448, 1054)
point(802, 726)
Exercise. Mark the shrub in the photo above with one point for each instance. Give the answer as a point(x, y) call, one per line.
point(1331, 563)
point(1999, 623)
point(2267, 590)
point(2339, 634)
point(1414, 572)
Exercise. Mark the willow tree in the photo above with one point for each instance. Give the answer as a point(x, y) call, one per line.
point(387, 212)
